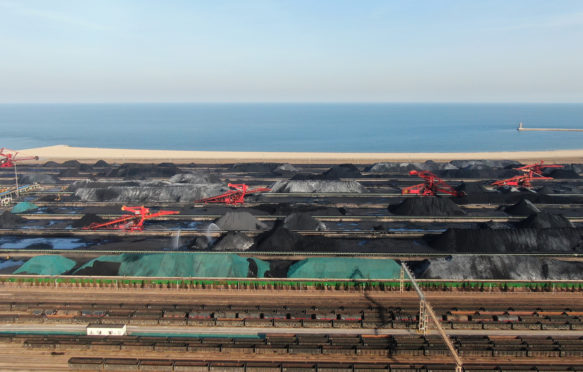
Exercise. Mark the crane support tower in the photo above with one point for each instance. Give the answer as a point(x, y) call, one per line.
point(8, 158)
point(134, 221)
point(531, 172)
point(235, 196)
point(431, 187)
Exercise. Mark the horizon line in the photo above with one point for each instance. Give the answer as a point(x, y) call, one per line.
point(287, 102)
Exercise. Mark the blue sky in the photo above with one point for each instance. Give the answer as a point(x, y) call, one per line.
point(316, 51)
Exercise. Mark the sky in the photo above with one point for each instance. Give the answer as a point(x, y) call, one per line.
point(291, 51)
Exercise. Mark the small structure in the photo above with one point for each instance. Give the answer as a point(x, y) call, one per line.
point(106, 330)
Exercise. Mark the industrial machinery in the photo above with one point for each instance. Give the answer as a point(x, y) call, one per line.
point(9, 157)
point(234, 197)
point(431, 187)
point(130, 222)
point(532, 172)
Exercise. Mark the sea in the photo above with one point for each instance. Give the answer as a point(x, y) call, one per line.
point(300, 127)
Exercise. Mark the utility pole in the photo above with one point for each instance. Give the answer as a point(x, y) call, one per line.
point(425, 314)
point(16, 180)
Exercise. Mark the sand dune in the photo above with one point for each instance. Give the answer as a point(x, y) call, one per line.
point(91, 154)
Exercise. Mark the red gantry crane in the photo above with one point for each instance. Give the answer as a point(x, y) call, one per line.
point(9, 157)
point(130, 222)
point(431, 187)
point(234, 197)
point(532, 172)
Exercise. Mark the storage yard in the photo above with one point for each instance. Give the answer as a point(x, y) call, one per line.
point(281, 267)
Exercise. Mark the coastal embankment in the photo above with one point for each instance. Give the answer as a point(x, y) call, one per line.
point(92, 154)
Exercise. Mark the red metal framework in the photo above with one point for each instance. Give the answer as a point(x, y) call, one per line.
point(8, 159)
point(532, 172)
point(234, 197)
point(431, 187)
point(130, 222)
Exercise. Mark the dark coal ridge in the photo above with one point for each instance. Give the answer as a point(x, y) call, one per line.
point(565, 240)
point(477, 173)
point(278, 268)
point(342, 171)
point(101, 268)
point(284, 209)
point(544, 220)
point(255, 167)
point(280, 239)
point(426, 206)
point(499, 267)
point(523, 208)
point(561, 173)
point(142, 171)
point(303, 221)
point(9, 220)
point(87, 220)
point(313, 177)
point(515, 197)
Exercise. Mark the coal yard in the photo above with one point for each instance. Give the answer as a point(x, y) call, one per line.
point(463, 265)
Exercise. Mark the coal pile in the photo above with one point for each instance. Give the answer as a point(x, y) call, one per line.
point(69, 172)
point(491, 225)
point(30, 178)
point(404, 167)
point(145, 192)
point(9, 220)
point(278, 268)
point(342, 171)
point(284, 209)
point(279, 239)
point(546, 220)
point(502, 267)
point(481, 164)
point(469, 188)
point(143, 171)
point(255, 167)
point(561, 173)
point(509, 241)
point(426, 206)
point(205, 242)
point(523, 208)
point(101, 268)
point(51, 164)
point(239, 221)
point(303, 222)
point(196, 178)
point(71, 164)
point(285, 170)
point(233, 241)
point(87, 220)
point(318, 186)
point(101, 164)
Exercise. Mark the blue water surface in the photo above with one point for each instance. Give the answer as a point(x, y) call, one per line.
point(374, 127)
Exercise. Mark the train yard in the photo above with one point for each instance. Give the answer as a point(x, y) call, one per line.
point(496, 253)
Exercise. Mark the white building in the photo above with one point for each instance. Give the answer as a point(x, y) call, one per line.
point(106, 330)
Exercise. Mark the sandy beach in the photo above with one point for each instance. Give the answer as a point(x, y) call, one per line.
point(90, 154)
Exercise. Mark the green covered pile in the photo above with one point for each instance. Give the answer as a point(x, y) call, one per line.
point(24, 207)
point(344, 268)
point(46, 265)
point(211, 265)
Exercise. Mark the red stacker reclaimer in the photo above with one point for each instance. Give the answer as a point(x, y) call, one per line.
point(130, 222)
point(532, 172)
point(8, 158)
point(431, 187)
point(234, 197)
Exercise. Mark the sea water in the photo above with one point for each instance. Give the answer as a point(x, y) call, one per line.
point(311, 127)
